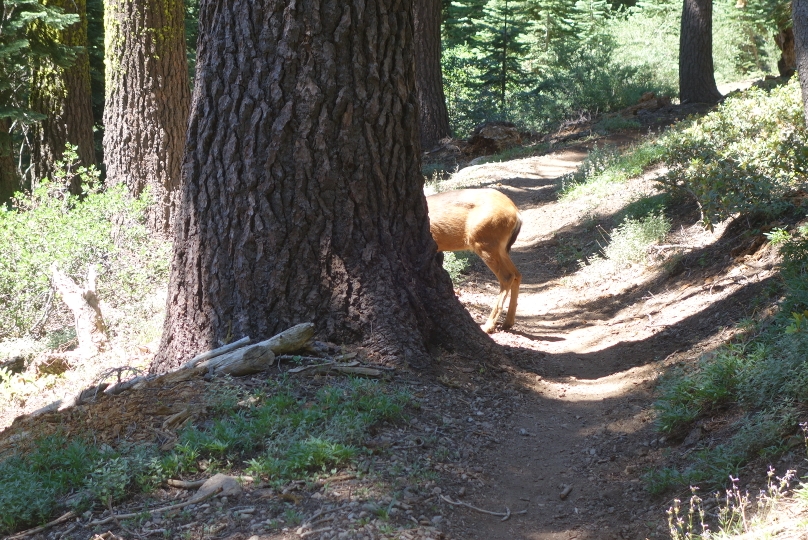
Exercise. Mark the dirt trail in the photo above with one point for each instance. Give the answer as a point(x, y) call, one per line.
point(586, 351)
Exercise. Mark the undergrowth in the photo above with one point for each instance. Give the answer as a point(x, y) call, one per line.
point(280, 433)
point(605, 167)
point(50, 226)
point(765, 376)
point(745, 156)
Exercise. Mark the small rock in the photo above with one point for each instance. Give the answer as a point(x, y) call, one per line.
point(437, 519)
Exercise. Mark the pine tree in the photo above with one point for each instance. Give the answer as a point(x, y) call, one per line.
point(503, 48)
point(20, 45)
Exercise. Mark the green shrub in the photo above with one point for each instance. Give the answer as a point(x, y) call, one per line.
point(604, 167)
point(767, 377)
point(630, 240)
point(47, 226)
point(457, 264)
point(743, 157)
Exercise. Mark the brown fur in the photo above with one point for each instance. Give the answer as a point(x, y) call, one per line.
point(486, 222)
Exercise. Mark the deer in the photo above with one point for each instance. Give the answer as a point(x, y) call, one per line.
point(486, 222)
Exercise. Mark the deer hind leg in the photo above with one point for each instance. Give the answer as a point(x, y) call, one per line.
point(507, 275)
point(517, 280)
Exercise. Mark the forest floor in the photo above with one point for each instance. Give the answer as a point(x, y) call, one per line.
point(560, 434)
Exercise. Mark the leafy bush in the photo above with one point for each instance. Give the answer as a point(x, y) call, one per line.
point(743, 157)
point(48, 225)
point(630, 240)
point(457, 264)
point(604, 167)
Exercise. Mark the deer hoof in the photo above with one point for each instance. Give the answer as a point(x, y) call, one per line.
point(489, 328)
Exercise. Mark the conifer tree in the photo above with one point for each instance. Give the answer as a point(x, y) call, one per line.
point(19, 47)
point(62, 96)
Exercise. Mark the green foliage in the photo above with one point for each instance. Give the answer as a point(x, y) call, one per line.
point(291, 436)
point(20, 46)
point(457, 264)
point(712, 384)
point(743, 157)
point(794, 273)
point(604, 167)
point(629, 241)
point(767, 377)
point(33, 484)
point(281, 437)
point(47, 226)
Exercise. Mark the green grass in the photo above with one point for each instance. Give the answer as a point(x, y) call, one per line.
point(605, 167)
point(33, 485)
point(279, 434)
point(282, 436)
point(765, 378)
point(629, 241)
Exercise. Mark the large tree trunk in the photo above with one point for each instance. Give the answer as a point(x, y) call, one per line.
point(9, 181)
point(799, 13)
point(434, 118)
point(63, 96)
point(147, 100)
point(302, 197)
point(696, 72)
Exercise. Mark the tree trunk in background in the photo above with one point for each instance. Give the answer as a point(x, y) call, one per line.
point(799, 13)
point(147, 100)
point(434, 119)
point(63, 96)
point(9, 181)
point(787, 63)
point(696, 72)
point(302, 196)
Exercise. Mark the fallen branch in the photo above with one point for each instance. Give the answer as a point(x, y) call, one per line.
point(184, 484)
point(351, 368)
point(48, 525)
point(504, 515)
point(315, 531)
point(215, 352)
point(192, 500)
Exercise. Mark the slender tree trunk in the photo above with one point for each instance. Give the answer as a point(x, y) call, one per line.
point(302, 196)
point(9, 181)
point(696, 72)
point(799, 13)
point(434, 118)
point(63, 96)
point(147, 100)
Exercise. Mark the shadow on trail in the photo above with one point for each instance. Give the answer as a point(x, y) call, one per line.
point(624, 355)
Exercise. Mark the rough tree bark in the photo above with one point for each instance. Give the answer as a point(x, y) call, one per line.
point(147, 100)
point(799, 13)
point(696, 72)
point(63, 96)
point(9, 181)
point(787, 63)
point(302, 197)
point(434, 118)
